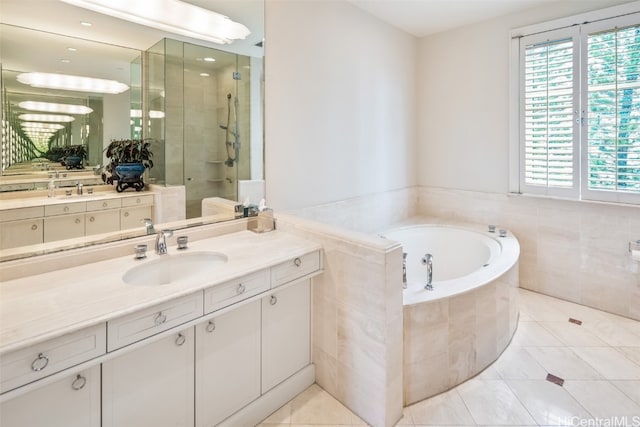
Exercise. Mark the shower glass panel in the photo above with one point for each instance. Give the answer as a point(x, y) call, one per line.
point(199, 114)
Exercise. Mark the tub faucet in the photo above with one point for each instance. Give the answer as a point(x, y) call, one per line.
point(148, 224)
point(161, 241)
point(404, 270)
point(427, 260)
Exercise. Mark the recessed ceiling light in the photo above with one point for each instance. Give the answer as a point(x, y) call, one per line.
point(86, 24)
point(72, 49)
point(69, 82)
point(174, 16)
point(209, 59)
point(51, 107)
point(66, 61)
point(204, 74)
point(46, 118)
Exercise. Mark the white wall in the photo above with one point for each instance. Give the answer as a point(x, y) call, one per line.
point(340, 104)
point(463, 99)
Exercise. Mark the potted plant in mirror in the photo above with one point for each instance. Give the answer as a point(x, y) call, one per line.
point(128, 159)
point(74, 156)
point(54, 154)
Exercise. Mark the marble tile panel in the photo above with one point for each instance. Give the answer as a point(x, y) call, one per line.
point(602, 399)
point(326, 371)
point(532, 334)
point(631, 388)
point(325, 327)
point(444, 409)
point(632, 353)
point(609, 362)
point(316, 406)
point(564, 363)
point(547, 403)
point(363, 392)
point(361, 343)
point(426, 378)
point(493, 403)
point(613, 333)
point(517, 363)
point(571, 334)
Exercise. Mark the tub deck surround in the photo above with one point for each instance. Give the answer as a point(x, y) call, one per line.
point(38, 307)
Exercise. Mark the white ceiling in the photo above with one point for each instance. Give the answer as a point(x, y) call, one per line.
point(424, 17)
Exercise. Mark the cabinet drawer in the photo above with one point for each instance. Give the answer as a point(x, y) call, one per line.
point(24, 366)
point(21, 233)
point(137, 201)
point(145, 323)
point(294, 269)
point(233, 291)
point(21, 213)
point(64, 208)
point(97, 205)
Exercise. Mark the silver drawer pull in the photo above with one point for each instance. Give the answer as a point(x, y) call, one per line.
point(240, 289)
point(79, 383)
point(211, 326)
point(181, 339)
point(40, 363)
point(126, 214)
point(160, 319)
point(104, 204)
point(77, 220)
point(34, 227)
point(66, 209)
point(92, 219)
point(273, 300)
point(297, 262)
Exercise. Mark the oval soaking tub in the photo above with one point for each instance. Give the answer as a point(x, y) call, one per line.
point(456, 330)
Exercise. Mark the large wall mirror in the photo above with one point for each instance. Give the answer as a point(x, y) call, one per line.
point(200, 103)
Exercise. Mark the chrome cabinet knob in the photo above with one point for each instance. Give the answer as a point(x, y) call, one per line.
point(79, 382)
point(240, 289)
point(211, 326)
point(39, 363)
point(160, 319)
point(273, 300)
point(34, 227)
point(297, 262)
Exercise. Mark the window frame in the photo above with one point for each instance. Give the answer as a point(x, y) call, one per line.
point(577, 27)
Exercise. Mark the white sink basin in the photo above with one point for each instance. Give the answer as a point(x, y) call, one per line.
point(171, 268)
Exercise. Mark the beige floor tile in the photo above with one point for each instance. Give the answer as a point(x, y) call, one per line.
point(630, 388)
point(571, 334)
point(609, 362)
point(316, 406)
point(632, 353)
point(517, 363)
point(602, 399)
point(548, 403)
point(489, 373)
point(406, 419)
point(614, 333)
point(444, 409)
point(493, 403)
point(564, 363)
point(281, 416)
point(531, 334)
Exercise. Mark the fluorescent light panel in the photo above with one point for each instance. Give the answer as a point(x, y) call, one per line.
point(69, 82)
point(173, 16)
point(40, 125)
point(51, 107)
point(153, 114)
point(54, 118)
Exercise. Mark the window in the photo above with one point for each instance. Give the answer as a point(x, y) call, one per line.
point(579, 111)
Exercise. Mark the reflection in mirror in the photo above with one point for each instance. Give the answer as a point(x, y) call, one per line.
point(201, 106)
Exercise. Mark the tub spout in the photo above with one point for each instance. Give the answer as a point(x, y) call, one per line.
point(427, 260)
point(404, 270)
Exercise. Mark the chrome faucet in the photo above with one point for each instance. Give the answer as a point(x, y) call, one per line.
point(404, 270)
point(427, 260)
point(149, 226)
point(161, 241)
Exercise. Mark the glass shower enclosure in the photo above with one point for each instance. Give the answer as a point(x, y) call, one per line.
point(198, 112)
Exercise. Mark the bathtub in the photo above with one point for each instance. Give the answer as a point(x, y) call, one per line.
point(456, 330)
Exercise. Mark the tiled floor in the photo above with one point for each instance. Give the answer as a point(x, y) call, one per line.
point(599, 361)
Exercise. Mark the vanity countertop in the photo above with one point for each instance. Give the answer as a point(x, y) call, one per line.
point(44, 306)
point(27, 202)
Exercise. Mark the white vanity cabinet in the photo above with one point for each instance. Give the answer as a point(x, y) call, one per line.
point(62, 227)
point(151, 385)
point(286, 328)
point(21, 233)
point(73, 401)
point(227, 363)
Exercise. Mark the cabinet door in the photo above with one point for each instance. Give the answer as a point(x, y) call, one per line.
point(70, 402)
point(97, 222)
point(150, 386)
point(285, 333)
point(63, 227)
point(21, 233)
point(132, 217)
point(227, 363)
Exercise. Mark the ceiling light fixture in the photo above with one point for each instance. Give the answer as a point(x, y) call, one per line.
point(46, 118)
point(174, 16)
point(68, 82)
point(51, 107)
point(209, 59)
point(40, 125)
point(85, 23)
point(153, 114)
